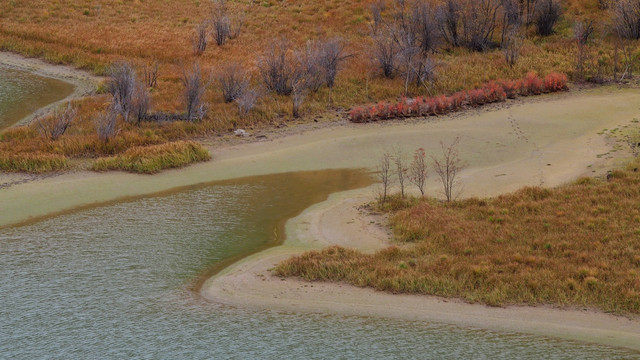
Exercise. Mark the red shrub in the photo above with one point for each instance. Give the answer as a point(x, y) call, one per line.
point(511, 88)
point(555, 82)
point(357, 115)
point(532, 85)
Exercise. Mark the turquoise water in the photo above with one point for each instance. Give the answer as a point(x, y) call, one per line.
point(113, 282)
point(22, 93)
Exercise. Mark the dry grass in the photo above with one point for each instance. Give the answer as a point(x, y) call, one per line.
point(574, 246)
point(92, 37)
point(155, 158)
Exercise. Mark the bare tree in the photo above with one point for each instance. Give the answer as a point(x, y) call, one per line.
point(106, 124)
point(385, 174)
point(424, 24)
point(122, 83)
point(479, 21)
point(233, 82)
point(399, 161)
point(56, 125)
point(448, 168)
point(199, 40)
point(221, 23)
point(385, 52)
point(547, 15)
point(418, 169)
point(298, 94)
point(511, 19)
point(332, 55)
point(582, 31)
point(194, 88)
point(626, 18)
point(140, 102)
point(151, 74)
point(511, 48)
point(247, 100)
point(276, 68)
point(448, 15)
point(376, 13)
point(308, 66)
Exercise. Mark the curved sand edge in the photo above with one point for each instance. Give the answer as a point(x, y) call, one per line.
point(84, 83)
point(338, 221)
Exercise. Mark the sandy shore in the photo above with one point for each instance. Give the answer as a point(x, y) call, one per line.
point(545, 142)
point(83, 82)
point(249, 283)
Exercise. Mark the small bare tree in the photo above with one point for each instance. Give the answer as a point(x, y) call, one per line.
point(308, 66)
point(140, 102)
point(399, 162)
point(547, 15)
point(418, 169)
point(298, 94)
point(385, 51)
point(448, 18)
point(479, 20)
point(424, 23)
point(56, 125)
point(582, 31)
point(626, 18)
point(276, 68)
point(107, 124)
point(511, 46)
point(448, 168)
point(385, 175)
point(151, 74)
point(233, 82)
point(332, 55)
point(199, 40)
point(377, 9)
point(194, 88)
point(221, 23)
point(121, 86)
point(246, 101)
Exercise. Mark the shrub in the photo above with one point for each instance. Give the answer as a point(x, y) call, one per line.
point(106, 124)
point(555, 82)
point(122, 84)
point(194, 88)
point(54, 126)
point(531, 85)
point(154, 158)
point(199, 40)
point(626, 18)
point(547, 16)
point(276, 69)
point(233, 82)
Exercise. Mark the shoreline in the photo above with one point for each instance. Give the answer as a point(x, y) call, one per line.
point(84, 83)
point(249, 283)
point(546, 142)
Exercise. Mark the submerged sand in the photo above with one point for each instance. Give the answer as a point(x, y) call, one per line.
point(548, 142)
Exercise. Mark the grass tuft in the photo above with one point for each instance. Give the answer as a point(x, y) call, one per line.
point(155, 158)
point(33, 162)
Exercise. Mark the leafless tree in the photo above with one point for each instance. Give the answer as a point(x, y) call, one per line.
point(511, 48)
point(121, 86)
point(547, 15)
point(233, 82)
point(151, 74)
point(479, 21)
point(276, 68)
point(56, 125)
point(582, 31)
point(308, 67)
point(220, 22)
point(106, 124)
point(194, 88)
point(386, 52)
point(418, 169)
point(409, 54)
point(399, 162)
point(528, 9)
point(247, 100)
point(448, 18)
point(332, 55)
point(140, 102)
point(626, 18)
point(424, 23)
point(298, 94)
point(511, 19)
point(376, 12)
point(424, 72)
point(199, 40)
point(448, 168)
point(385, 175)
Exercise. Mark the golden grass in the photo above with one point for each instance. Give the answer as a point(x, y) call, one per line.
point(155, 158)
point(33, 162)
point(574, 246)
point(92, 37)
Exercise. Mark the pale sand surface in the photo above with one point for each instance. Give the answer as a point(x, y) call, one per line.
point(548, 142)
point(84, 83)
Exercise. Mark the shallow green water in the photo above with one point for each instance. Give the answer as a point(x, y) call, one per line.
point(113, 282)
point(22, 93)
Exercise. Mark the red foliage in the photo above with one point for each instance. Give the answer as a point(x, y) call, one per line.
point(493, 91)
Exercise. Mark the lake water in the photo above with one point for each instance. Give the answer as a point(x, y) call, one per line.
point(22, 93)
point(114, 282)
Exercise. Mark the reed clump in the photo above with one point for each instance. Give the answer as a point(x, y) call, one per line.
point(155, 158)
point(573, 246)
point(36, 163)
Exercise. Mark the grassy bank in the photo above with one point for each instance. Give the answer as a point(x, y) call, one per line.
point(574, 246)
point(153, 159)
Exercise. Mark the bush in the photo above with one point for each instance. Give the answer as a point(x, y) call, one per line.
point(626, 18)
point(547, 15)
point(155, 158)
point(56, 125)
point(277, 69)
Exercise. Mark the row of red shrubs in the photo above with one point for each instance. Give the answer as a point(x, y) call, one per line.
point(491, 92)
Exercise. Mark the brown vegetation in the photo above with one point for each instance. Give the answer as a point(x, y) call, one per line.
point(574, 246)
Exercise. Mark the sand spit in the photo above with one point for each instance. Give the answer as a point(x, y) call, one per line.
point(84, 83)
